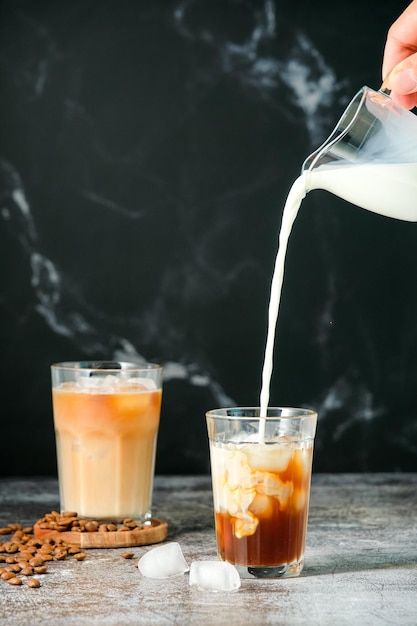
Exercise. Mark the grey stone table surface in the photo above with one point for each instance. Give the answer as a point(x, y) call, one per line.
point(361, 562)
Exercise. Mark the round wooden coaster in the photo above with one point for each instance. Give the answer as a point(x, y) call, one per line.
point(155, 532)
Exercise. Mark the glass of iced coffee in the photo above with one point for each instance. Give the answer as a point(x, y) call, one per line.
point(261, 473)
point(106, 418)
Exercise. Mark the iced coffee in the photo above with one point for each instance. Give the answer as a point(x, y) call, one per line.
point(106, 418)
point(261, 488)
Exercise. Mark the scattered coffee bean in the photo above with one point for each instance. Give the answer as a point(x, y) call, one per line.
point(10, 547)
point(14, 568)
point(23, 563)
point(26, 571)
point(23, 554)
point(60, 554)
point(10, 559)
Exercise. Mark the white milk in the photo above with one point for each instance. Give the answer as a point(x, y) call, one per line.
point(294, 199)
point(388, 189)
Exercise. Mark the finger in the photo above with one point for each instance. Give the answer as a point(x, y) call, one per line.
point(401, 39)
point(408, 102)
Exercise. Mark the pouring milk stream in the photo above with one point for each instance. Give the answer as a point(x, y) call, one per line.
point(370, 160)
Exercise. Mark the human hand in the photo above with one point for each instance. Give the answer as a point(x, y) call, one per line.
point(399, 68)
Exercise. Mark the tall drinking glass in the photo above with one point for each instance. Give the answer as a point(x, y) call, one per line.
point(261, 472)
point(106, 417)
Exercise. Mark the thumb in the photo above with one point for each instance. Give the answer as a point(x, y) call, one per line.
point(403, 78)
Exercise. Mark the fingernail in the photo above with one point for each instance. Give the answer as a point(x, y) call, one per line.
point(404, 82)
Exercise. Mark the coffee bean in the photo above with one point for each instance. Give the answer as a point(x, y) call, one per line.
point(10, 559)
point(11, 547)
point(15, 526)
point(26, 571)
point(130, 523)
point(14, 568)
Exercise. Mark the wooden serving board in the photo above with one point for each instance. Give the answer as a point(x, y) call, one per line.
point(153, 533)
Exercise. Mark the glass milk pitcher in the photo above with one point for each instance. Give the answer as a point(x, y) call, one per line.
point(370, 159)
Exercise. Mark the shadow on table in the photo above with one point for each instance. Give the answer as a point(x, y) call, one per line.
point(359, 560)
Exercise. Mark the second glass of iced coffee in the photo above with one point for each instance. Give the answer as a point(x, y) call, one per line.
point(261, 472)
point(106, 417)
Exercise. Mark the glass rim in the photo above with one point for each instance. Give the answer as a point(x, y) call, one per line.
point(287, 412)
point(106, 366)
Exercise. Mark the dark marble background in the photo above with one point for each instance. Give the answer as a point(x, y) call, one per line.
point(146, 151)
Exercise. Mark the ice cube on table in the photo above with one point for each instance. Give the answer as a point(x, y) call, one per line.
point(214, 576)
point(163, 561)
